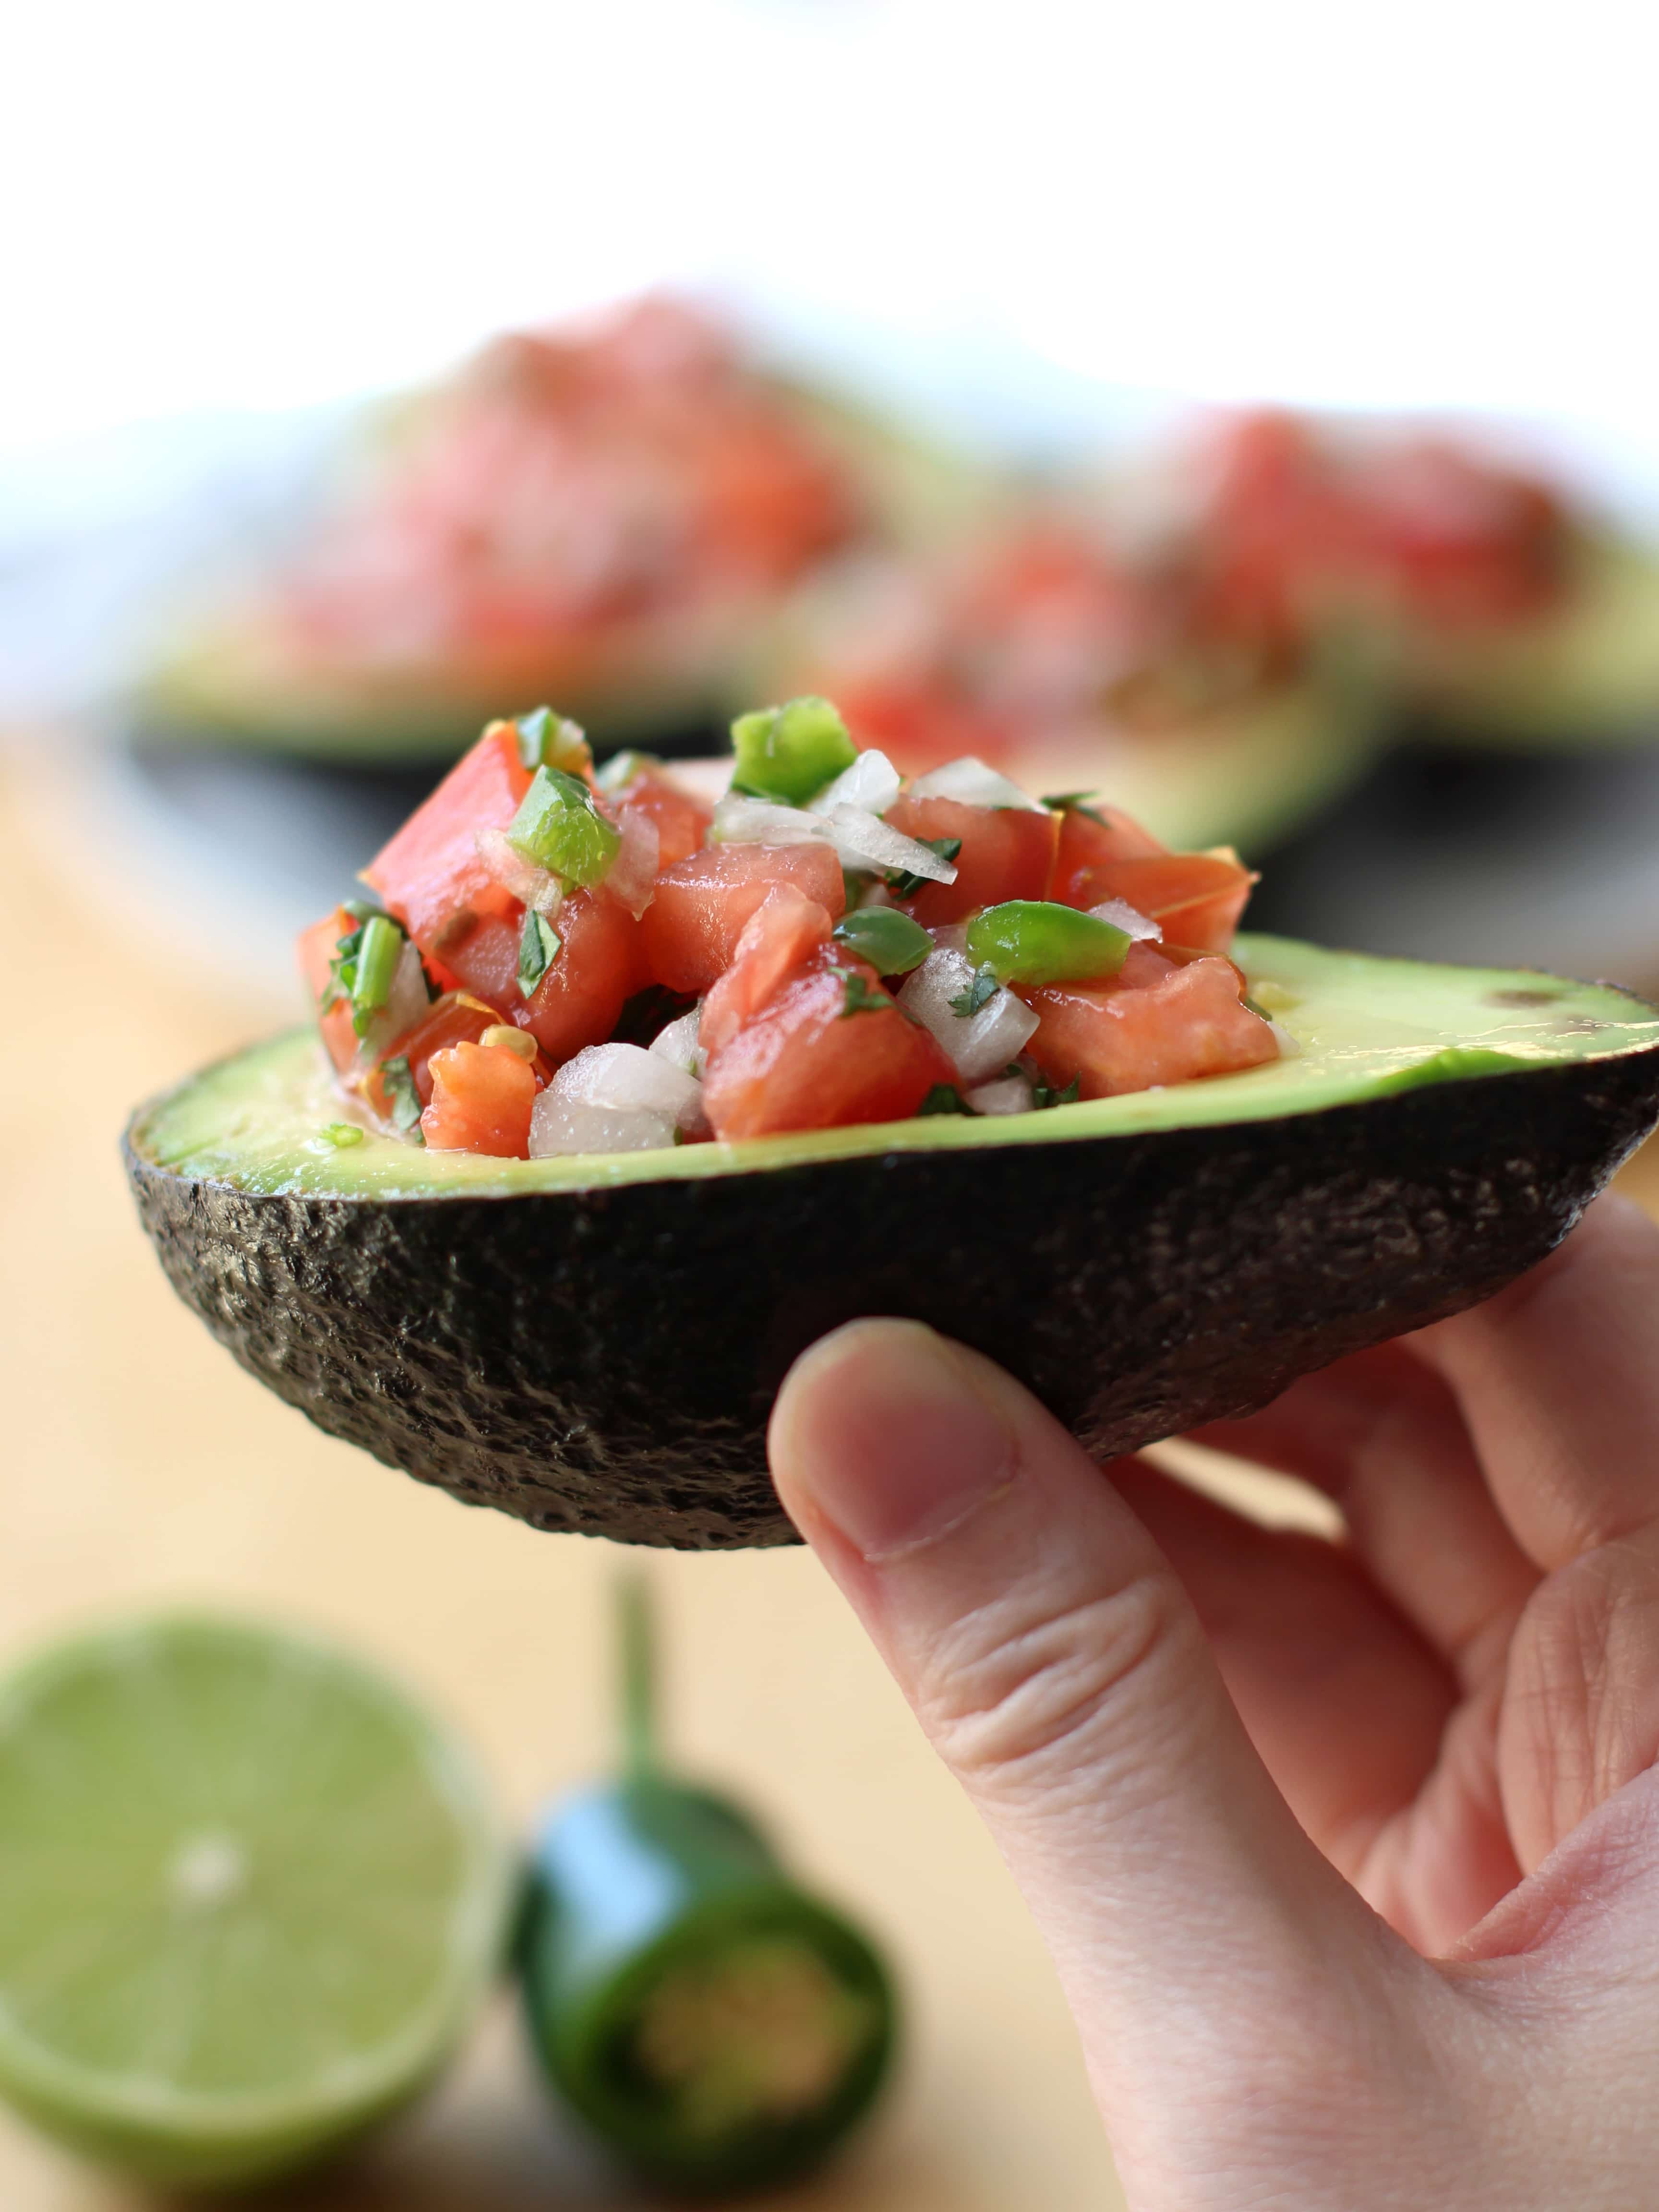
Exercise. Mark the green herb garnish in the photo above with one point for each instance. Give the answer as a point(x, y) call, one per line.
point(539, 948)
point(365, 960)
point(559, 828)
point(342, 1135)
point(402, 1099)
point(1249, 1004)
point(902, 884)
point(945, 1099)
point(859, 999)
point(972, 996)
point(341, 968)
point(1045, 1095)
point(889, 941)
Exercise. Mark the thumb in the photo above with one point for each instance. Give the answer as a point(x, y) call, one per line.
point(1055, 1664)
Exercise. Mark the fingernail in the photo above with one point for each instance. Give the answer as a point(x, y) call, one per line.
point(883, 1430)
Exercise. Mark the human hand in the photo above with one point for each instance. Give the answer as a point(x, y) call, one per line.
point(1347, 1856)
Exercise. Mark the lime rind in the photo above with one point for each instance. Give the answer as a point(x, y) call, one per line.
point(170, 2133)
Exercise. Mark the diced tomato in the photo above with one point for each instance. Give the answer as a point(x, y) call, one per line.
point(690, 932)
point(317, 948)
point(1196, 898)
point(780, 936)
point(1462, 541)
point(804, 1062)
point(430, 875)
point(482, 956)
point(1096, 840)
point(1167, 1023)
point(481, 1097)
point(1179, 956)
point(596, 967)
point(456, 1018)
point(1007, 853)
point(770, 501)
point(682, 821)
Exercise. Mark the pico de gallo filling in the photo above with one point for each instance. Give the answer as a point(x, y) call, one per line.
point(1041, 633)
point(567, 488)
point(1292, 528)
point(556, 960)
point(1221, 591)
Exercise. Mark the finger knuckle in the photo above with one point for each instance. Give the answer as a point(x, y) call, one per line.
point(1024, 1692)
point(1584, 1670)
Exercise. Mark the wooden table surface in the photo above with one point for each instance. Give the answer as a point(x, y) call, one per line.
point(142, 1468)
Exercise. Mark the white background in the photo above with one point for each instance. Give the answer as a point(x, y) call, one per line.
point(241, 205)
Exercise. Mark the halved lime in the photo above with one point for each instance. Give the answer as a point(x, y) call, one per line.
point(249, 1897)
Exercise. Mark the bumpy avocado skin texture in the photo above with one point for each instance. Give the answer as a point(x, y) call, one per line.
point(604, 1358)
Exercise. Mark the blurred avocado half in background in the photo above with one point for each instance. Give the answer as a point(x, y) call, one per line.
point(605, 515)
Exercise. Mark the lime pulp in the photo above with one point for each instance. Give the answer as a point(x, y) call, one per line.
point(250, 1896)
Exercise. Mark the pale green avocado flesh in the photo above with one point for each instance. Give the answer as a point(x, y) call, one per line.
point(1364, 1028)
point(1586, 674)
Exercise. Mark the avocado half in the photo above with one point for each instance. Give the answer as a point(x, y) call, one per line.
point(237, 686)
point(594, 1344)
point(1587, 676)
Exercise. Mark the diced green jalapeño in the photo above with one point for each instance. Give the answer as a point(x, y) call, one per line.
point(889, 941)
point(1036, 941)
point(559, 828)
point(551, 740)
point(790, 752)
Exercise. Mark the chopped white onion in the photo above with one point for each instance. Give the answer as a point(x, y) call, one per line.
point(1130, 920)
point(562, 1126)
point(406, 1002)
point(872, 782)
point(978, 1045)
point(632, 876)
point(704, 780)
point(865, 841)
point(1009, 1094)
point(860, 840)
point(529, 884)
point(1289, 1047)
point(628, 1079)
point(971, 782)
point(677, 1044)
point(741, 821)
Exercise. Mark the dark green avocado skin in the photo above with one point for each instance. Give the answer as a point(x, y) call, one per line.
point(605, 1361)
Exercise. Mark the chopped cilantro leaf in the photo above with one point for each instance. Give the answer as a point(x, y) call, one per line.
point(945, 1099)
point(402, 1099)
point(902, 884)
point(1044, 1094)
point(539, 948)
point(342, 968)
point(1249, 1004)
point(969, 1000)
point(859, 997)
point(1075, 802)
